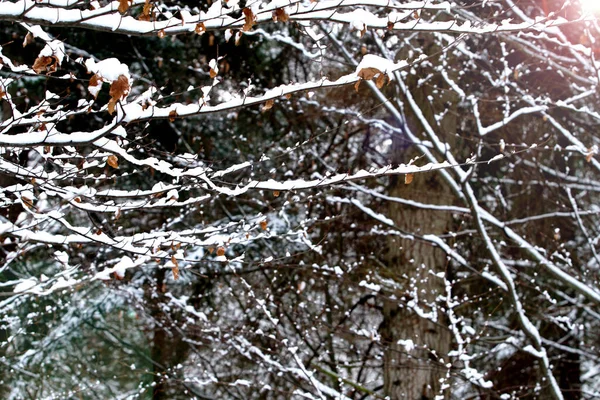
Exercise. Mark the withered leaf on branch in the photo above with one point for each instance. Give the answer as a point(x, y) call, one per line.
point(368, 73)
point(146, 12)
point(95, 85)
point(363, 31)
point(380, 80)
point(268, 105)
point(280, 15)
point(220, 251)
point(408, 178)
point(45, 64)
point(589, 156)
point(118, 90)
point(27, 201)
point(249, 18)
point(112, 103)
point(28, 39)
point(172, 115)
point(123, 6)
point(113, 161)
point(120, 87)
point(200, 28)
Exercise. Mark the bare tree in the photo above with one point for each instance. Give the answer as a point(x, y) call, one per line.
point(317, 199)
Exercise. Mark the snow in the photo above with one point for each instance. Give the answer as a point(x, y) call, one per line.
point(54, 48)
point(25, 285)
point(408, 344)
point(74, 179)
point(382, 64)
point(109, 69)
point(371, 286)
point(119, 269)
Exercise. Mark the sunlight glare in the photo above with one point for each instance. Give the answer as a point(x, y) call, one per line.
point(590, 6)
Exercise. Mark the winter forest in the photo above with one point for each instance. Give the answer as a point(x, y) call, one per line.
point(299, 199)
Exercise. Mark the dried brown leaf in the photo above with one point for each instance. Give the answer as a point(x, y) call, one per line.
point(408, 178)
point(200, 28)
point(123, 6)
point(175, 272)
point(27, 201)
point(111, 106)
point(161, 34)
point(263, 225)
point(119, 88)
point(95, 81)
point(113, 161)
point(249, 19)
point(220, 251)
point(268, 105)
point(45, 64)
point(146, 12)
point(368, 73)
point(172, 115)
point(380, 81)
point(28, 39)
point(280, 15)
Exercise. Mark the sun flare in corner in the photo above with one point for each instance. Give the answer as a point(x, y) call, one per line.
point(590, 6)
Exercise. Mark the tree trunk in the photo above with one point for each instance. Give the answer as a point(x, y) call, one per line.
point(159, 342)
point(416, 371)
point(414, 363)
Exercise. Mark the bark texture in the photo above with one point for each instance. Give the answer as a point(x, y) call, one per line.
point(416, 332)
point(416, 371)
